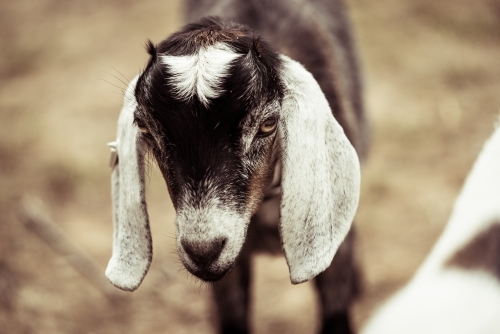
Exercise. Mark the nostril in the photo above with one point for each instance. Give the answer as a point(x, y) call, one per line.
point(203, 253)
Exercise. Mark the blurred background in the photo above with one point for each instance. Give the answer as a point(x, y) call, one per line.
point(432, 74)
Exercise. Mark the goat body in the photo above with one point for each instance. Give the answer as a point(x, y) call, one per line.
point(457, 289)
point(250, 150)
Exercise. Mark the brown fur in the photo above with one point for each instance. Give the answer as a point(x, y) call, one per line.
point(481, 253)
point(215, 34)
point(261, 179)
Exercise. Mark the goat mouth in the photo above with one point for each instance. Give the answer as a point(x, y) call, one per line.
point(209, 275)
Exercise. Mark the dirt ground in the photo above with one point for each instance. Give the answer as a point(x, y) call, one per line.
point(432, 74)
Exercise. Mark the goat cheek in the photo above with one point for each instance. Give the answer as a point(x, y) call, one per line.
point(257, 186)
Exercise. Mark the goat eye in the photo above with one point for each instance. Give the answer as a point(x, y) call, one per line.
point(267, 127)
point(141, 126)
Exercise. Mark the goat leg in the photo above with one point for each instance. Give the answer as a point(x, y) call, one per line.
point(232, 298)
point(337, 288)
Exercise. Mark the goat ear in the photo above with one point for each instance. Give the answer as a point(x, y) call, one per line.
point(320, 180)
point(132, 248)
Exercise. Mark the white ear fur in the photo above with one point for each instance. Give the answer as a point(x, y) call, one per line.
point(321, 176)
point(132, 249)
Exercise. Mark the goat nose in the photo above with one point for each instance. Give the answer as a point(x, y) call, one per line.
point(203, 253)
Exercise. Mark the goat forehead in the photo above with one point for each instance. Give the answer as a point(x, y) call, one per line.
point(198, 129)
point(200, 74)
point(202, 145)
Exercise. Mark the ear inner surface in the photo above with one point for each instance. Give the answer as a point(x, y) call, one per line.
point(321, 176)
point(132, 247)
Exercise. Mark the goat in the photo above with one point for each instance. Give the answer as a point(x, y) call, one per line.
point(457, 289)
point(250, 150)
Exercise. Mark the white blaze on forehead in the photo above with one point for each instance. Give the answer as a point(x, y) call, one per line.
point(200, 73)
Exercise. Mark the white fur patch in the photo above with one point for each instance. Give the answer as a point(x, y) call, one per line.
point(443, 299)
point(450, 301)
point(477, 206)
point(200, 74)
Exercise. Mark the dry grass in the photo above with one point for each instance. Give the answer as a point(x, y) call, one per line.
point(433, 92)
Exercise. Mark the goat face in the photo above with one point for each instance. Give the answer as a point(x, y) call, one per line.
point(212, 131)
point(218, 108)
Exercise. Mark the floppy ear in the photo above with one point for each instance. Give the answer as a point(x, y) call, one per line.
point(132, 249)
point(320, 180)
